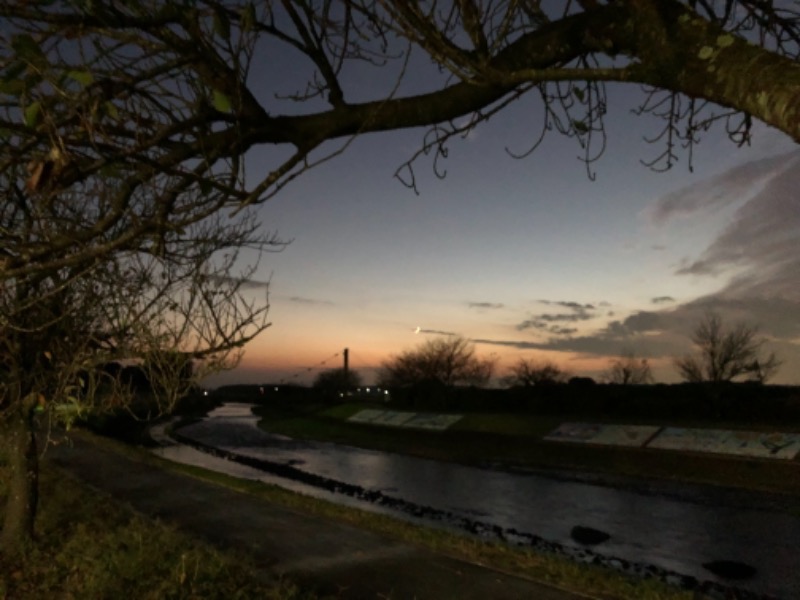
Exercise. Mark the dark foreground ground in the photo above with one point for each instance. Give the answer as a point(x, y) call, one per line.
point(329, 557)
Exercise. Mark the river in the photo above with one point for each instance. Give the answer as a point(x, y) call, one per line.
point(651, 535)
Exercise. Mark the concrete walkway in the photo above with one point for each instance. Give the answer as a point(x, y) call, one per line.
point(330, 557)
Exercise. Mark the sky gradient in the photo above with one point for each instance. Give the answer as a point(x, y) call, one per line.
point(529, 258)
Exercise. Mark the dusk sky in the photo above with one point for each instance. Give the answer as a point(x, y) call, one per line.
point(529, 258)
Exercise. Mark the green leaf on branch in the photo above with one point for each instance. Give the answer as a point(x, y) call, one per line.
point(85, 78)
point(221, 102)
point(580, 126)
point(12, 88)
point(31, 114)
point(248, 17)
point(111, 110)
point(222, 25)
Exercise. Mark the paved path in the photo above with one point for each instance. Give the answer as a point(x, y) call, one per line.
point(331, 557)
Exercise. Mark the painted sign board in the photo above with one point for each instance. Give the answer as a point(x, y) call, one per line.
point(607, 435)
point(718, 441)
point(431, 421)
point(724, 441)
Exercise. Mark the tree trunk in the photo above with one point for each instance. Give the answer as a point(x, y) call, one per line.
point(23, 485)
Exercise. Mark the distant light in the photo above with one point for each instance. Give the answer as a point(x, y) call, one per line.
point(386, 392)
point(276, 388)
point(368, 390)
point(205, 393)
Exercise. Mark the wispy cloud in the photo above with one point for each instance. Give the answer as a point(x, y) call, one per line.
point(761, 241)
point(310, 301)
point(485, 305)
point(568, 304)
point(562, 330)
point(436, 332)
point(717, 192)
point(550, 322)
point(759, 246)
point(652, 334)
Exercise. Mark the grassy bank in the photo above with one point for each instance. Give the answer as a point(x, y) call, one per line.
point(516, 440)
point(88, 546)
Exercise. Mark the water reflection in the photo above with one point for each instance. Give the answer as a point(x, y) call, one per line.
point(671, 534)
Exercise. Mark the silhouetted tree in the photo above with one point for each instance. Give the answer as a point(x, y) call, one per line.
point(723, 355)
point(178, 317)
point(529, 373)
point(627, 369)
point(447, 360)
point(337, 379)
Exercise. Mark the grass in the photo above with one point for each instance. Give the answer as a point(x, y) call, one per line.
point(88, 546)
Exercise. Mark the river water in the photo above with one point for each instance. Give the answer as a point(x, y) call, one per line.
point(674, 536)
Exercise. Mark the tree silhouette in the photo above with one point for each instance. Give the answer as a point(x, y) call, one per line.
point(725, 354)
point(629, 370)
point(447, 361)
point(530, 373)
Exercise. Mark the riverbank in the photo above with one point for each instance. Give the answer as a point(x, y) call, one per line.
point(597, 582)
point(287, 545)
point(514, 442)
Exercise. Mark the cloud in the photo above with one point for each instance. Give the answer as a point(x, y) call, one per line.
point(666, 334)
point(545, 321)
point(638, 322)
point(603, 343)
point(436, 332)
point(310, 301)
point(568, 304)
point(518, 344)
point(648, 333)
point(758, 250)
point(717, 192)
point(482, 305)
point(774, 317)
point(757, 253)
point(562, 330)
point(761, 241)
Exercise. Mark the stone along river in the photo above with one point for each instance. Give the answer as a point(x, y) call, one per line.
point(706, 543)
